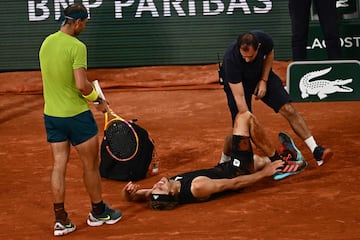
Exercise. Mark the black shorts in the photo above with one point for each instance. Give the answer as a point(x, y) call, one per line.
point(228, 170)
point(276, 96)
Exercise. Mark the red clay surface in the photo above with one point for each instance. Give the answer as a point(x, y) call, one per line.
point(185, 111)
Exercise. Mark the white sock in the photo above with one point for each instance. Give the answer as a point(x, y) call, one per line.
point(224, 158)
point(311, 143)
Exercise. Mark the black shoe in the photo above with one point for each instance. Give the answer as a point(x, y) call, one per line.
point(322, 155)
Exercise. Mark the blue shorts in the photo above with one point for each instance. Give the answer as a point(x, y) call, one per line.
point(76, 129)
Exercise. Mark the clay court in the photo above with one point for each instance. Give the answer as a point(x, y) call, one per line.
point(185, 111)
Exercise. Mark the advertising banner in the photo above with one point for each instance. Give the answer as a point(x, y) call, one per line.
point(315, 81)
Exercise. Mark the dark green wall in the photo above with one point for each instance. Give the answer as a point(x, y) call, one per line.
point(183, 35)
point(145, 40)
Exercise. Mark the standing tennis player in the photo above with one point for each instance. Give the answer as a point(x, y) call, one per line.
point(68, 119)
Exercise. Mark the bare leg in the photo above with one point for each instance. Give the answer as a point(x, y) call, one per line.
point(89, 154)
point(295, 120)
point(259, 137)
point(246, 124)
point(260, 162)
point(60, 152)
point(241, 153)
point(299, 126)
point(242, 124)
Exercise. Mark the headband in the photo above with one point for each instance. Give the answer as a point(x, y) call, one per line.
point(162, 198)
point(73, 16)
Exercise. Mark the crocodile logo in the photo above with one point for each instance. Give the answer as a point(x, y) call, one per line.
point(322, 88)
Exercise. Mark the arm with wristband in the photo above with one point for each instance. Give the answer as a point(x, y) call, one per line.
point(94, 97)
point(88, 91)
point(100, 103)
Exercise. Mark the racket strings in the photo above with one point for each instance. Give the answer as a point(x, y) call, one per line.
point(121, 140)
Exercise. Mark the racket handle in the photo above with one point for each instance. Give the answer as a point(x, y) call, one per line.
point(98, 89)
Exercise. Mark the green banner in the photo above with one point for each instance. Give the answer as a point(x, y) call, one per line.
point(349, 37)
point(124, 33)
point(314, 81)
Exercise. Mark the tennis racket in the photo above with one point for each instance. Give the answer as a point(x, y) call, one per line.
point(122, 141)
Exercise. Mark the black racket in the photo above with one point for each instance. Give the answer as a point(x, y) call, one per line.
point(122, 141)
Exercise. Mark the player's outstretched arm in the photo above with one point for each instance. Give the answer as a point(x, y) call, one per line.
point(203, 187)
point(133, 192)
point(269, 169)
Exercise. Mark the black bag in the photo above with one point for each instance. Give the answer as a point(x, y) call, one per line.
point(133, 169)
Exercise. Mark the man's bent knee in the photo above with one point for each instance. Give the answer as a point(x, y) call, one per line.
point(241, 125)
point(288, 110)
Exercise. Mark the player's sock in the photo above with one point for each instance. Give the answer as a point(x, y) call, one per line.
point(98, 208)
point(224, 158)
point(60, 213)
point(311, 143)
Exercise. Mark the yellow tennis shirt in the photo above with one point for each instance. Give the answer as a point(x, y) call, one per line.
point(59, 54)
